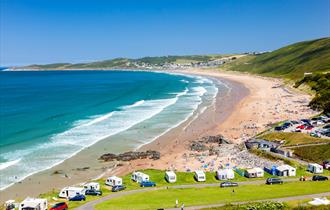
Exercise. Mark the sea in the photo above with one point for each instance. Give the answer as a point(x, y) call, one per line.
point(48, 116)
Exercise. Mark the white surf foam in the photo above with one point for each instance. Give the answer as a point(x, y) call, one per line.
point(8, 164)
point(84, 134)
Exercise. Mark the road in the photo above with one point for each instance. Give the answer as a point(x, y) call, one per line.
point(301, 197)
point(90, 205)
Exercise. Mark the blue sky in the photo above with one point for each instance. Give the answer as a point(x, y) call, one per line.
point(49, 31)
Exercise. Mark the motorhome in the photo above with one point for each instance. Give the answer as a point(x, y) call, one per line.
point(114, 181)
point(139, 177)
point(33, 204)
point(170, 176)
point(69, 192)
point(200, 176)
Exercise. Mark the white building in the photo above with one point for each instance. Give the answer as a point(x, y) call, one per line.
point(224, 174)
point(200, 176)
point(33, 204)
point(114, 181)
point(69, 192)
point(315, 168)
point(285, 170)
point(170, 176)
point(139, 177)
point(92, 186)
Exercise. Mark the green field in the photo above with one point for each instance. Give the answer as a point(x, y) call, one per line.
point(211, 195)
point(157, 176)
point(293, 138)
point(317, 153)
point(290, 61)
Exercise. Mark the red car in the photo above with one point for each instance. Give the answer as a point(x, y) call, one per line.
point(59, 206)
point(300, 127)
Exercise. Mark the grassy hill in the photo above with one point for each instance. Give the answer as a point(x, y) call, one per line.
point(129, 63)
point(290, 61)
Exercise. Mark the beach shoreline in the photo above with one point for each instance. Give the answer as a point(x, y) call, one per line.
point(223, 117)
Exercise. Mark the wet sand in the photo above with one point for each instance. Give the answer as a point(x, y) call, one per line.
point(251, 104)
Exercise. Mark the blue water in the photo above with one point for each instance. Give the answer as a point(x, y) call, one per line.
point(46, 117)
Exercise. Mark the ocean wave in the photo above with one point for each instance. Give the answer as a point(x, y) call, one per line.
point(87, 132)
point(84, 134)
point(8, 164)
point(138, 103)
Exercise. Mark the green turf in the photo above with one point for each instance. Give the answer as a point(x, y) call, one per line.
point(293, 138)
point(211, 195)
point(290, 61)
point(317, 153)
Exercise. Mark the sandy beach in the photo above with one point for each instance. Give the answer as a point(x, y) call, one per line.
point(251, 106)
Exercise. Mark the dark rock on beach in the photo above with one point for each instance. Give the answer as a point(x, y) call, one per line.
point(128, 156)
point(202, 144)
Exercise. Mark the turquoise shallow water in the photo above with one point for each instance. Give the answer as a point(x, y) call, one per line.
point(46, 117)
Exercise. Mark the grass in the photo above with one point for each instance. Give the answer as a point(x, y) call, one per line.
point(293, 138)
point(290, 61)
point(157, 176)
point(295, 204)
point(212, 195)
point(317, 153)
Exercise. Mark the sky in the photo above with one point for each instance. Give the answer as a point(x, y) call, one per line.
point(51, 31)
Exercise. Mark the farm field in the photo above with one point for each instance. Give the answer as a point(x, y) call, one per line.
point(165, 198)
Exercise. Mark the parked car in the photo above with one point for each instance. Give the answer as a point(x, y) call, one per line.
point(294, 122)
point(274, 181)
point(326, 126)
point(93, 192)
point(306, 121)
point(147, 184)
point(278, 128)
point(319, 178)
point(229, 184)
point(315, 134)
point(78, 197)
point(117, 188)
point(287, 124)
point(59, 206)
point(301, 127)
point(308, 128)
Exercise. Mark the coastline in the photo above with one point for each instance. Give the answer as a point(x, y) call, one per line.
point(222, 118)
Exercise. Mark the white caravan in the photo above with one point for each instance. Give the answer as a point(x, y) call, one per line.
point(200, 176)
point(224, 174)
point(170, 176)
point(114, 181)
point(33, 204)
point(139, 177)
point(69, 192)
point(92, 186)
point(315, 168)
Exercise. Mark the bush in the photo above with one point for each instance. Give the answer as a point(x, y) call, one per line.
point(320, 83)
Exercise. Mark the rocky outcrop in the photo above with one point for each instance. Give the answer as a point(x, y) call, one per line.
point(202, 144)
point(128, 156)
point(219, 139)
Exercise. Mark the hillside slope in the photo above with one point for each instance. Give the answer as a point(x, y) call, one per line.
point(290, 61)
point(128, 63)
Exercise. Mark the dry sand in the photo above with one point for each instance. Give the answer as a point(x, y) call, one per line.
point(252, 104)
point(265, 103)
